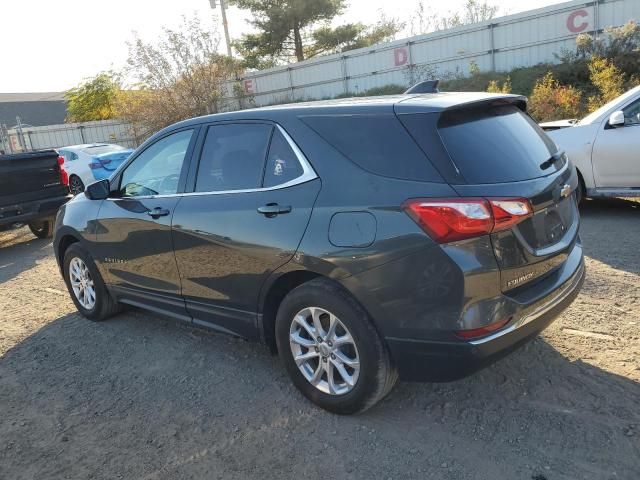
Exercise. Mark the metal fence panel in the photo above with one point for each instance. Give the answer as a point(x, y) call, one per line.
point(520, 40)
point(57, 136)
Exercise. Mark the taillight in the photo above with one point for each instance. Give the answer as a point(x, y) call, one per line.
point(64, 176)
point(453, 219)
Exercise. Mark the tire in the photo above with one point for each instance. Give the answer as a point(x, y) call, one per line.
point(75, 185)
point(376, 374)
point(580, 194)
point(43, 227)
point(103, 306)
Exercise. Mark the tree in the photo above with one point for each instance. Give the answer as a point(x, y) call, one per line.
point(181, 76)
point(299, 29)
point(474, 11)
point(93, 99)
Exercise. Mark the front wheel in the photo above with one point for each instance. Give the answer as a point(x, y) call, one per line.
point(331, 350)
point(85, 285)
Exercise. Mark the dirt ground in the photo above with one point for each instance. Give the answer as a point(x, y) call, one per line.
point(140, 397)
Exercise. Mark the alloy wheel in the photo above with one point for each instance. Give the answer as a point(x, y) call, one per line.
point(75, 185)
point(324, 351)
point(82, 283)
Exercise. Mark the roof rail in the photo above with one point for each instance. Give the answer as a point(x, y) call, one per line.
point(426, 86)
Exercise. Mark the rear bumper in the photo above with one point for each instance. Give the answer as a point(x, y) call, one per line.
point(441, 361)
point(25, 212)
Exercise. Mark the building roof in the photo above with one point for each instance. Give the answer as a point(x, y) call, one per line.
point(32, 97)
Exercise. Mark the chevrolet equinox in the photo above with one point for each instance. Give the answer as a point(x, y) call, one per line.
point(417, 236)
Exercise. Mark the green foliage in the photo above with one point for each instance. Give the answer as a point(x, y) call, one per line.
point(496, 87)
point(282, 27)
point(350, 36)
point(93, 99)
point(299, 29)
point(474, 68)
point(608, 79)
point(551, 101)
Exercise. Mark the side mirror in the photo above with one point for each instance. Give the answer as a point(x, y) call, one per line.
point(98, 191)
point(617, 119)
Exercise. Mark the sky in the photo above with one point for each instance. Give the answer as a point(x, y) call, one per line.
point(52, 45)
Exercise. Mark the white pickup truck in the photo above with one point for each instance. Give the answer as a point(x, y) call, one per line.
point(604, 147)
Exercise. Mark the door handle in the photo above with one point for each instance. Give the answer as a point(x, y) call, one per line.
point(271, 210)
point(158, 212)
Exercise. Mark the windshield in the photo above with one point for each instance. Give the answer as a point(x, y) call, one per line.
point(592, 117)
point(99, 149)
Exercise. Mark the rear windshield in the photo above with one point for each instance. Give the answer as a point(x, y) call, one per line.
point(493, 144)
point(376, 143)
point(100, 149)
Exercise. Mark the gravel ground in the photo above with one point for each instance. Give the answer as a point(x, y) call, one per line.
point(140, 397)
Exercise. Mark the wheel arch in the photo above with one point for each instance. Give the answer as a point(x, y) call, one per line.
point(65, 240)
point(274, 294)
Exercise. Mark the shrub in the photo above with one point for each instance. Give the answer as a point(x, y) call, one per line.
point(552, 101)
point(608, 79)
point(495, 87)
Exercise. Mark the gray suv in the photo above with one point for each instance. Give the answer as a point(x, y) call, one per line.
point(417, 236)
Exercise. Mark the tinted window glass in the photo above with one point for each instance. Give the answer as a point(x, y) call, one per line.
point(233, 157)
point(496, 144)
point(156, 171)
point(377, 143)
point(282, 163)
point(632, 114)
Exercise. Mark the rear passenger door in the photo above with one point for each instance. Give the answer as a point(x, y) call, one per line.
point(252, 195)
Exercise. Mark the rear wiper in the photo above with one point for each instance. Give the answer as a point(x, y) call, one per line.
point(554, 158)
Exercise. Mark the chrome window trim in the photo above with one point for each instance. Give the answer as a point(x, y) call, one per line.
point(308, 174)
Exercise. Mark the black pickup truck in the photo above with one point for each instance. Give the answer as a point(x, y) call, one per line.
point(32, 188)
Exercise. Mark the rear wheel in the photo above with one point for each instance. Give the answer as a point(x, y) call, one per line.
point(331, 350)
point(75, 185)
point(85, 285)
point(43, 227)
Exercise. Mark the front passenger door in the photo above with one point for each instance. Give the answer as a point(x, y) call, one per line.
point(133, 238)
point(616, 152)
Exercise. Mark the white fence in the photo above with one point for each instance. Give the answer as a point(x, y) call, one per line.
point(56, 136)
point(501, 44)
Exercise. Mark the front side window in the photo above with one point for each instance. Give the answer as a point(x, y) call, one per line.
point(233, 157)
point(156, 171)
point(632, 114)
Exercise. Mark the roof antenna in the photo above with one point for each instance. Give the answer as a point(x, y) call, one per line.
point(426, 86)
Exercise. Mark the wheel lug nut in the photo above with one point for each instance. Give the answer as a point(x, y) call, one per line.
point(333, 357)
point(330, 344)
point(319, 339)
point(317, 349)
point(324, 359)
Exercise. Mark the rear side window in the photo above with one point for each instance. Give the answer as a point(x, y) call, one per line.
point(492, 144)
point(376, 143)
point(233, 157)
point(282, 163)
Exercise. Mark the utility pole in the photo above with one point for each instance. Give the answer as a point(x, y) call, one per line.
point(223, 9)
